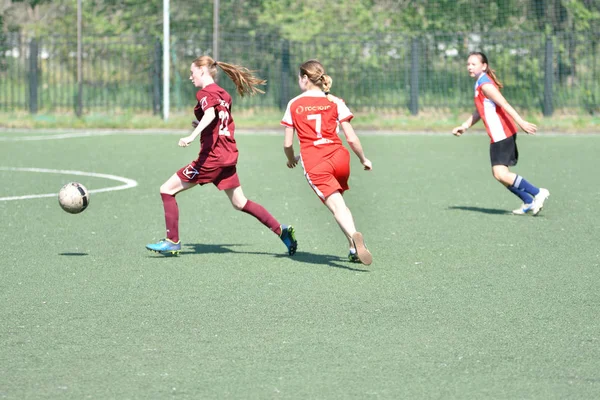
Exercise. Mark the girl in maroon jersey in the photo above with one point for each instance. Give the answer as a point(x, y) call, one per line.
point(499, 119)
point(216, 162)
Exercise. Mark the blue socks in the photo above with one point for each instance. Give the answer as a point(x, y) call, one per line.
point(527, 199)
point(523, 189)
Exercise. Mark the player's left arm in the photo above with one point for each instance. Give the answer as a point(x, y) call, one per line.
point(355, 145)
point(492, 93)
point(207, 118)
point(288, 147)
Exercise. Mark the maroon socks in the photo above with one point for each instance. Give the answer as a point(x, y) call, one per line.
point(261, 214)
point(171, 216)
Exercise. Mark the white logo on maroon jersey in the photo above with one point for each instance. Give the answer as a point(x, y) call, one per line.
point(190, 172)
point(203, 103)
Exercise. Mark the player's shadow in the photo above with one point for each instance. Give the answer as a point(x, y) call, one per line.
point(300, 256)
point(323, 259)
point(73, 254)
point(479, 209)
point(203, 248)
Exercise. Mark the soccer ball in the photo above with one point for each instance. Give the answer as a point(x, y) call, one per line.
point(73, 198)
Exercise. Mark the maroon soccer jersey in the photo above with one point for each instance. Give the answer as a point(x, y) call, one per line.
point(217, 142)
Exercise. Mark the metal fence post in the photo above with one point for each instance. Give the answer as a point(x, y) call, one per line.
point(548, 108)
point(414, 77)
point(33, 76)
point(284, 95)
point(156, 79)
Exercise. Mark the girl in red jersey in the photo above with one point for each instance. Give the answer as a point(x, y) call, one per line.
point(315, 116)
point(496, 113)
point(218, 156)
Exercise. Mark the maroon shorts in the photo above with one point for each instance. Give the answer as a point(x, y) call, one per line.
point(222, 177)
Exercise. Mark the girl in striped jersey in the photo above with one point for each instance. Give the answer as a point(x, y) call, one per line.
point(499, 119)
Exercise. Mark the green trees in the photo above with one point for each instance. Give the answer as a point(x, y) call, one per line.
point(392, 51)
point(303, 20)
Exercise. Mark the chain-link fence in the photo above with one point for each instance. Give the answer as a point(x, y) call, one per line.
point(392, 73)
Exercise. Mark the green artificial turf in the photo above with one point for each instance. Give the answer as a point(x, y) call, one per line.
point(463, 300)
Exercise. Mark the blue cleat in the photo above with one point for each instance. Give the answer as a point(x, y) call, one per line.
point(288, 238)
point(165, 246)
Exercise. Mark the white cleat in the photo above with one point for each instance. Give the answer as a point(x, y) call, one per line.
point(538, 201)
point(363, 254)
point(524, 209)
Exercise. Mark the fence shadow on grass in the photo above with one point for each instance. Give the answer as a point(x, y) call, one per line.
point(480, 209)
point(300, 256)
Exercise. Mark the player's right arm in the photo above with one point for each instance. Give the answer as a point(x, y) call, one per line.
point(355, 145)
point(459, 130)
point(207, 118)
point(288, 138)
point(288, 147)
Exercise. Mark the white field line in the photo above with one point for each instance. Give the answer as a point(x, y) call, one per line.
point(79, 134)
point(128, 183)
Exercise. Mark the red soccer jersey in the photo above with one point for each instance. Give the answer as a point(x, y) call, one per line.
point(316, 121)
point(217, 142)
point(497, 122)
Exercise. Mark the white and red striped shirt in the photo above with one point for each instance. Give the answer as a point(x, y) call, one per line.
point(498, 123)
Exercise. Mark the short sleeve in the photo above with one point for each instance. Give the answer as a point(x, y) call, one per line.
point(344, 113)
point(206, 100)
point(287, 117)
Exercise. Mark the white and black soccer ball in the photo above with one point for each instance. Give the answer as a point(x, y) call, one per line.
point(73, 198)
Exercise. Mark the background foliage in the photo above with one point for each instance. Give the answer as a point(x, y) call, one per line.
point(372, 48)
point(306, 19)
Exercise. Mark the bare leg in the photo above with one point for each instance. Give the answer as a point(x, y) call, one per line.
point(343, 217)
point(349, 238)
point(341, 213)
point(236, 197)
point(174, 185)
point(503, 175)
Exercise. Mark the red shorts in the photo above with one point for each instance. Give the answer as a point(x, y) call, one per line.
point(330, 175)
point(222, 177)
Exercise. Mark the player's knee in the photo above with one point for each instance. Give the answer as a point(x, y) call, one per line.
point(165, 189)
point(238, 205)
point(498, 175)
